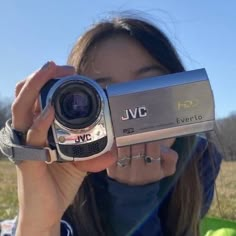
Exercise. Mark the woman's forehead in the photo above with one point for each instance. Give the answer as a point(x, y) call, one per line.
point(118, 56)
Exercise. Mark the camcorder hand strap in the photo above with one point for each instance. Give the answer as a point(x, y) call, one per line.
point(11, 147)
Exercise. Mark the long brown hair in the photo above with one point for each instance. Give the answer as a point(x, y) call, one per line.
point(182, 214)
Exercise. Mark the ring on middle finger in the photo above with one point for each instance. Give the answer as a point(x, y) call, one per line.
point(139, 156)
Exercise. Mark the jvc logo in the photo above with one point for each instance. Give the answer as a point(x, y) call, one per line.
point(83, 138)
point(137, 112)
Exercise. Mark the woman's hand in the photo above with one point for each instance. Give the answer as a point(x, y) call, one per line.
point(45, 191)
point(137, 170)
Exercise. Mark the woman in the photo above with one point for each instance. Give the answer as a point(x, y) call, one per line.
point(168, 196)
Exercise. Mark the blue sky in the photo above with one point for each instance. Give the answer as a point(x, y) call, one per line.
point(204, 33)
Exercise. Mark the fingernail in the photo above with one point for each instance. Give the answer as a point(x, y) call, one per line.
point(46, 66)
point(68, 67)
point(164, 149)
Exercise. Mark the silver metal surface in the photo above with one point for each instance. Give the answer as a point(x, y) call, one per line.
point(161, 107)
point(164, 81)
point(102, 127)
point(165, 133)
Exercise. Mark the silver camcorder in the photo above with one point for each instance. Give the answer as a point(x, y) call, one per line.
point(89, 118)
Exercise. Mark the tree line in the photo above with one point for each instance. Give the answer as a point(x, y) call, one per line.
point(224, 135)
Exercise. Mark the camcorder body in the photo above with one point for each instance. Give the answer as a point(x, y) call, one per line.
point(89, 118)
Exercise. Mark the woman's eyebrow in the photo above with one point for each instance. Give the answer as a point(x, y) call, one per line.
point(142, 70)
point(149, 68)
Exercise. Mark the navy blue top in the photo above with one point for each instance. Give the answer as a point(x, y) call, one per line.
point(134, 209)
point(137, 210)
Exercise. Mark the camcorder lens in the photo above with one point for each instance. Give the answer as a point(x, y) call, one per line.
point(77, 104)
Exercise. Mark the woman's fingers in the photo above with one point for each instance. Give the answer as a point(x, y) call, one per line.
point(131, 168)
point(28, 92)
point(169, 159)
point(37, 137)
point(144, 163)
point(18, 88)
point(37, 134)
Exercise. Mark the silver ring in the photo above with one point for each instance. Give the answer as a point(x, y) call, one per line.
point(149, 159)
point(123, 162)
point(139, 156)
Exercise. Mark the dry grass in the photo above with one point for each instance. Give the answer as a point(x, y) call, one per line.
point(8, 197)
point(225, 207)
point(224, 204)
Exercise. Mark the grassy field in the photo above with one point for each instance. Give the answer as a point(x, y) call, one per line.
point(8, 198)
point(224, 205)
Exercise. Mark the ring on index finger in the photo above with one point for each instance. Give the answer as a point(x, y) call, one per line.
point(123, 162)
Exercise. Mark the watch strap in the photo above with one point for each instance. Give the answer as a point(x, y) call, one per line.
point(12, 146)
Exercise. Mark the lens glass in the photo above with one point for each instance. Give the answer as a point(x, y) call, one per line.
point(76, 105)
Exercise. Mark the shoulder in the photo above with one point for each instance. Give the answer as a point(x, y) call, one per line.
point(66, 228)
point(8, 228)
point(210, 157)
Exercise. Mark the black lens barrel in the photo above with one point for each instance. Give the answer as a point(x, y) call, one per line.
point(77, 104)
